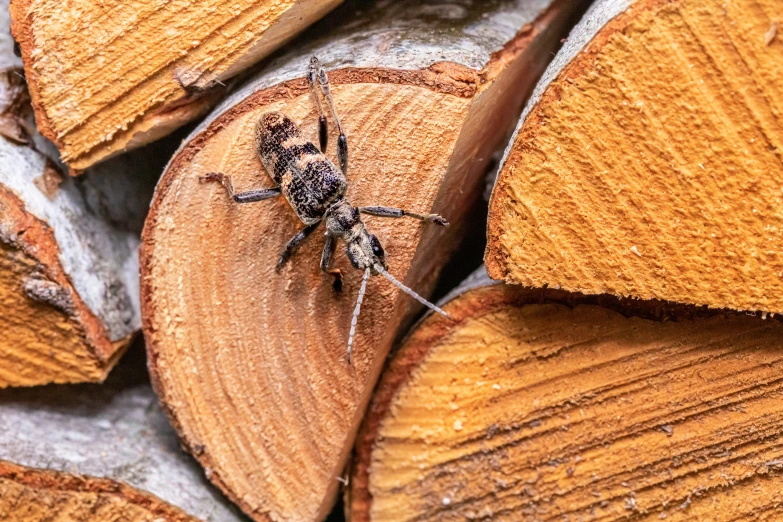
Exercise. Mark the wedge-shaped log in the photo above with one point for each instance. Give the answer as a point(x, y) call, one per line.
point(69, 300)
point(251, 364)
point(547, 405)
point(99, 453)
point(647, 163)
point(112, 75)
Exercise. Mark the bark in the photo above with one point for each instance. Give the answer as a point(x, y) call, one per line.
point(109, 76)
point(250, 364)
point(545, 405)
point(641, 166)
point(95, 453)
point(68, 248)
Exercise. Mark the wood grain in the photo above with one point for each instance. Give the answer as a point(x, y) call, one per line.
point(29, 495)
point(111, 75)
point(68, 248)
point(647, 165)
point(544, 405)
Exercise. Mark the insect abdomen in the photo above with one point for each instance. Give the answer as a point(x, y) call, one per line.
point(308, 180)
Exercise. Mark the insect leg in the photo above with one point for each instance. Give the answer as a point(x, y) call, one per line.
point(243, 197)
point(312, 77)
point(392, 212)
point(293, 244)
point(326, 263)
point(342, 141)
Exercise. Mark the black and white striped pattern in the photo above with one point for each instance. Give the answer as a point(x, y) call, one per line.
point(308, 180)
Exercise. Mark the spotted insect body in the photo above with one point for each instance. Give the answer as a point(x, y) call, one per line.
point(308, 180)
point(315, 188)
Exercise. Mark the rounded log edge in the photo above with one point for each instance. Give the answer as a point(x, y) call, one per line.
point(442, 78)
point(95, 498)
point(480, 296)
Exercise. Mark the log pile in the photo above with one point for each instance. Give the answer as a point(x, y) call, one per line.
point(68, 247)
point(250, 363)
point(92, 453)
point(617, 359)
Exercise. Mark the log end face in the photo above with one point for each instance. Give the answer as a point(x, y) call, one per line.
point(295, 400)
point(642, 172)
point(539, 405)
point(44, 341)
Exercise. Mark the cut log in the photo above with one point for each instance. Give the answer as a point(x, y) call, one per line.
point(113, 75)
point(89, 453)
point(68, 248)
point(251, 364)
point(544, 405)
point(69, 263)
point(647, 163)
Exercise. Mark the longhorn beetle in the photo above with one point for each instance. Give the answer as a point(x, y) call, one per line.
point(315, 189)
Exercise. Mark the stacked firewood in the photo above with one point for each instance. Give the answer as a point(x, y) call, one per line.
point(616, 357)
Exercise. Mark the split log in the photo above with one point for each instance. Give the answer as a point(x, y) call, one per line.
point(89, 453)
point(68, 248)
point(546, 405)
point(69, 263)
point(647, 163)
point(249, 363)
point(112, 75)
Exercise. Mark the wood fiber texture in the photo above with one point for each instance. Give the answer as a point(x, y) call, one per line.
point(49, 334)
point(544, 405)
point(111, 75)
point(648, 165)
point(250, 364)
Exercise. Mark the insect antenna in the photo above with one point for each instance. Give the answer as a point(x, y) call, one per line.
point(356, 310)
point(408, 291)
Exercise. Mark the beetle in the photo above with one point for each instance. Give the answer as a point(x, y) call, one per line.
point(315, 189)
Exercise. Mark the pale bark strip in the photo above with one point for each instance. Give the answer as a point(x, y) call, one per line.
point(115, 431)
point(100, 259)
